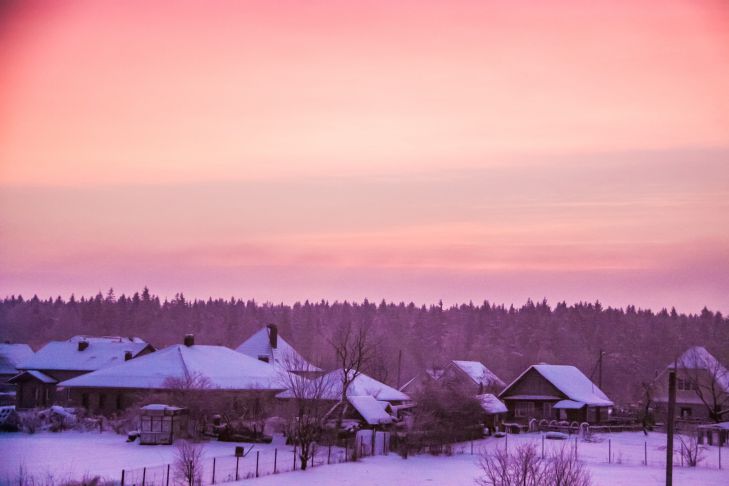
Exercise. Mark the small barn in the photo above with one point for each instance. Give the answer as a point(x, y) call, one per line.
point(11, 355)
point(37, 382)
point(555, 392)
point(494, 410)
point(473, 377)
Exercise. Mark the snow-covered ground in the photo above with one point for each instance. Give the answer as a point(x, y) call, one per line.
point(75, 454)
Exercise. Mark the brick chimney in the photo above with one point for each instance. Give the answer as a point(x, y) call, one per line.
point(83, 344)
point(273, 335)
point(127, 355)
point(189, 339)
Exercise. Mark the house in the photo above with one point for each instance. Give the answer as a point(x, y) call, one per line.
point(61, 360)
point(11, 355)
point(472, 377)
point(179, 367)
point(555, 392)
point(269, 346)
point(368, 399)
point(702, 387)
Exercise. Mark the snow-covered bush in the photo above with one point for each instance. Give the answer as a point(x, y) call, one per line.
point(691, 451)
point(525, 467)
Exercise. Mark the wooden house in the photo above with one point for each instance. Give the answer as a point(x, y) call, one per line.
point(555, 392)
point(702, 385)
point(37, 382)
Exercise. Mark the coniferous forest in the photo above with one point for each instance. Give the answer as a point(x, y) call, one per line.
point(635, 343)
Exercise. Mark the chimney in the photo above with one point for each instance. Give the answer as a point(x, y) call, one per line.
point(273, 335)
point(127, 355)
point(83, 345)
point(189, 339)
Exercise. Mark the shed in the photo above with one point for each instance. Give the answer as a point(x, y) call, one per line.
point(162, 424)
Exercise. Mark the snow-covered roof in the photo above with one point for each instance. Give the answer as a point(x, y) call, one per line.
point(160, 406)
point(491, 404)
point(203, 366)
point(38, 375)
point(698, 358)
point(107, 339)
point(259, 345)
point(11, 355)
point(568, 405)
point(371, 409)
point(570, 381)
point(478, 372)
point(67, 355)
point(360, 386)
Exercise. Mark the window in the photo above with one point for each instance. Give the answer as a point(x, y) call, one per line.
point(685, 413)
point(686, 384)
point(524, 409)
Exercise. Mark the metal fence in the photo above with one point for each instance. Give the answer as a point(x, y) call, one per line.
point(257, 463)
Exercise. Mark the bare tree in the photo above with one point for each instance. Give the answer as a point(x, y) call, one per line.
point(188, 462)
point(354, 349)
point(704, 374)
point(310, 402)
point(194, 392)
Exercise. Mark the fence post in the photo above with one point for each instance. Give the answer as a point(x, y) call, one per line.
point(506, 445)
point(374, 438)
point(275, 459)
point(294, 457)
point(313, 454)
point(610, 451)
point(471, 446)
point(645, 452)
point(168, 475)
point(329, 454)
point(346, 449)
point(144, 475)
point(122, 481)
point(213, 470)
point(542, 446)
point(237, 461)
point(720, 458)
point(258, 453)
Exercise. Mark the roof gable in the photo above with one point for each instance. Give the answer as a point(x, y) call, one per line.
point(259, 344)
point(569, 381)
point(478, 373)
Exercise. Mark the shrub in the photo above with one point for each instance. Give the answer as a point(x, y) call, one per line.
point(525, 467)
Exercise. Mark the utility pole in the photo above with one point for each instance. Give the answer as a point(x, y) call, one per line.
point(399, 364)
point(669, 436)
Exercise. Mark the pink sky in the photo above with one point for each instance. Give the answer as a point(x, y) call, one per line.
point(401, 150)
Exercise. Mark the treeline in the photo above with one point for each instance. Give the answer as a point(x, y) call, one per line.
point(636, 343)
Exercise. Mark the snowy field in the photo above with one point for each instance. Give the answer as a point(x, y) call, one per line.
point(75, 454)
